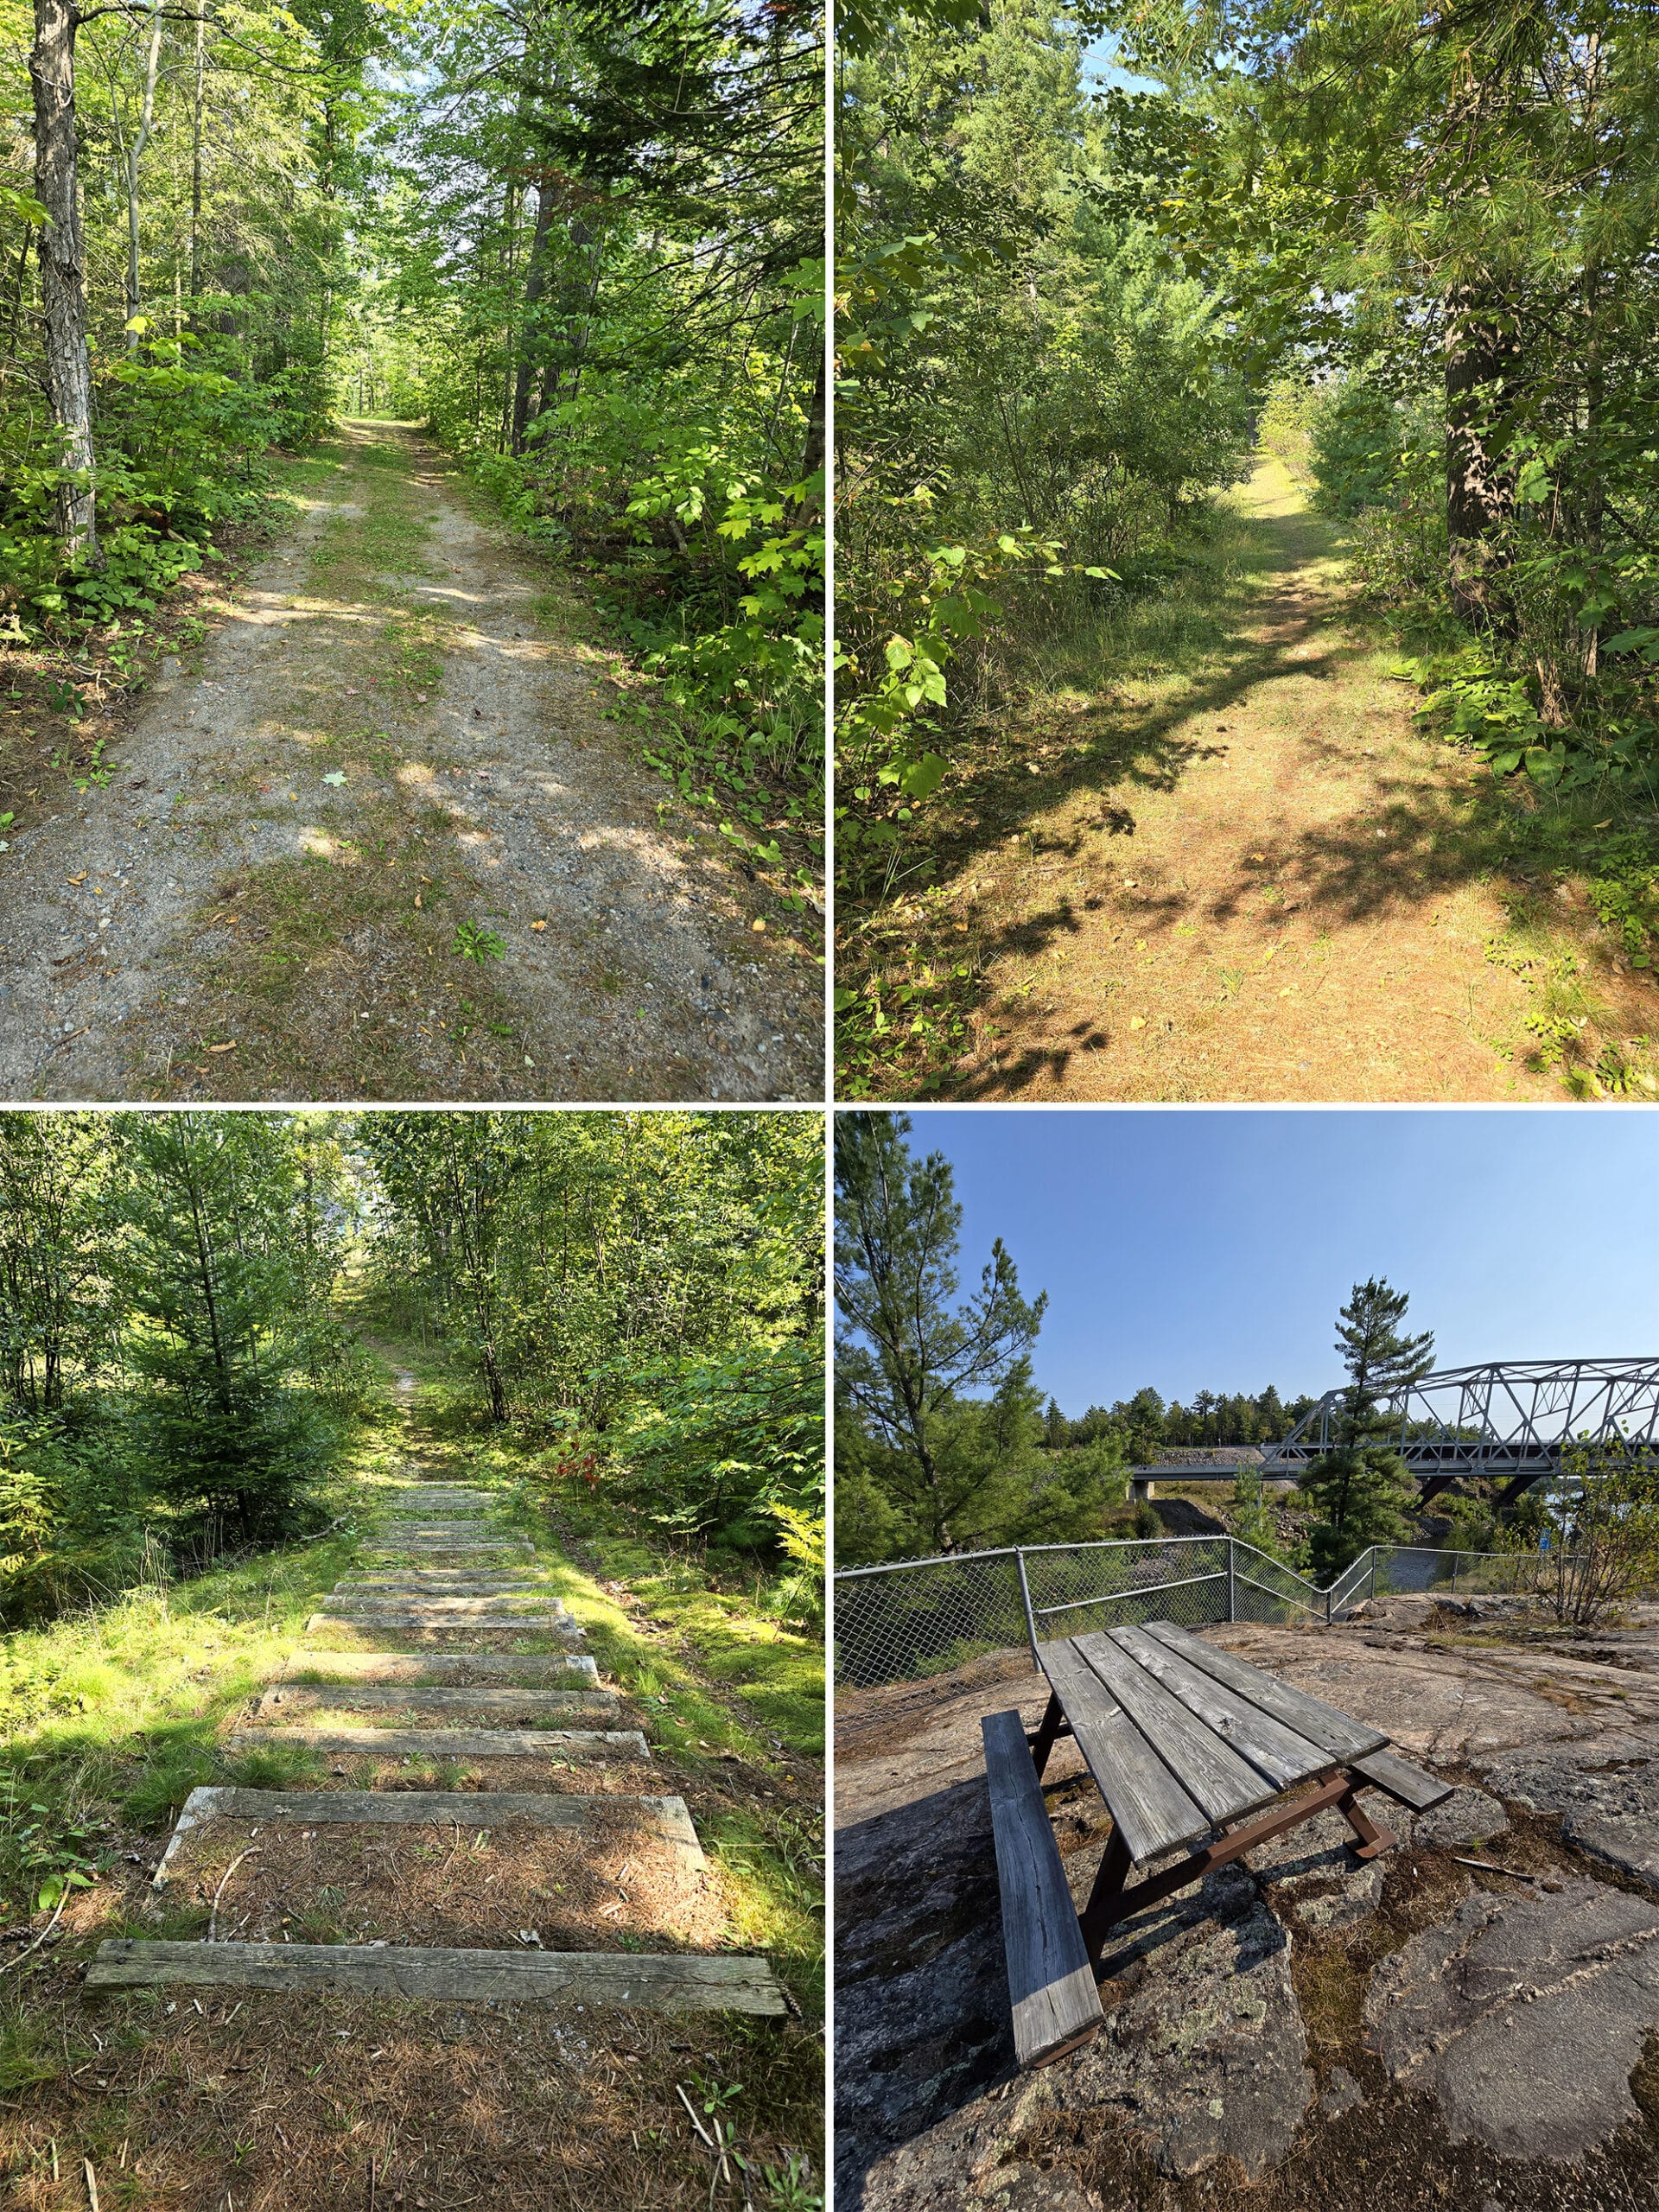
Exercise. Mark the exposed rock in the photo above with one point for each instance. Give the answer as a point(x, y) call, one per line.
point(1205, 2056)
point(1630, 1843)
point(1312, 1869)
point(1617, 1778)
point(1466, 1816)
point(1524, 2017)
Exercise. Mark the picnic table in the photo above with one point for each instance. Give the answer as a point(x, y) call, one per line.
point(1182, 1740)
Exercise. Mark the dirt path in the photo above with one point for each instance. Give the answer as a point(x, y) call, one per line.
point(1256, 882)
point(392, 748)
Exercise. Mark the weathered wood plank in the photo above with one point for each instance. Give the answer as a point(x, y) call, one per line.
point(286, 1698)
point(1152, 1810)
point(1049, 1981)
point(695, 1982)
point(443, 1582)
point(323, 1667)
point(510, 1606)
point(1338, 1732)
point(1402, 1780)
point(418, 1617)
point(666, 1818)
point(449, 1742)
point(1278, 1752)
point(456, 1612)
point(1211, 1772)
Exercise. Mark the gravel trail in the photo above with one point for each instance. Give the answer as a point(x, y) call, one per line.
point(378, 841)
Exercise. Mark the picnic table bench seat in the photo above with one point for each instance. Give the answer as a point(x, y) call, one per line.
point(1181, 1739)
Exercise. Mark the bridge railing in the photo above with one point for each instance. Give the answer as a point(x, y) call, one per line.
point(907, 1619)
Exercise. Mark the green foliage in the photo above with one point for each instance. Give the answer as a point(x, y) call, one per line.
point(1354, 446)
point(625, 352)
point(172, 1370)
point(1602, 1524)
point(1032, 408)
point(1252, 1523)
point(640, 1292)
point(940, 1431)
point(217, 290)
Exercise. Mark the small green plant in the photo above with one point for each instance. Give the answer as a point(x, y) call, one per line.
point(63, 697)
point(473, 942)
point(789, 2188)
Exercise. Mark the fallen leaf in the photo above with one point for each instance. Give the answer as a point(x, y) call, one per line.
point(335, 776)
point(231, 1047)
point(418, 896)
point(81, 878)
point(1137, 1021)
point(538, 925)
point(757, 924)
point(294, 798)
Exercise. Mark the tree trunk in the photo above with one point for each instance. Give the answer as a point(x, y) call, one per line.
point(146, 120)
point(812, 454)
point(535, 285)
point(63, 292)
point(195, 158)
point(1480, 361)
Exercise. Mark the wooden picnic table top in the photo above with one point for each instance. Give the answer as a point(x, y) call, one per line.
point(1181, 1737)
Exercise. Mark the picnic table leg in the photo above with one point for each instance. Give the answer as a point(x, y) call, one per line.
point(1372, 1838)
point(1104, 1908)
point(1043, 1742)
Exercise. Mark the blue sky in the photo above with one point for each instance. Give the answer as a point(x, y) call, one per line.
point(1211, 1249)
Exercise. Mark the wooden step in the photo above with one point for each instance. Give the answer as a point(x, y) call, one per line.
point(694, 1982)
point(383, 1617)
point(312, 1697)
point(320, 1668)
point(443, 1582)
point(435, 1525)
point(665, 1818)
point(448, 1743)
point(489, 1552)
point(510, 1607)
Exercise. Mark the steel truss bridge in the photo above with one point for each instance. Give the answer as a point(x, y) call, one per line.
point(1509, 1420)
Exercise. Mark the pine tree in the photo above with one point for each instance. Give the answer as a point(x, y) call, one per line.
point(913, 1368)
point(1362, 1489)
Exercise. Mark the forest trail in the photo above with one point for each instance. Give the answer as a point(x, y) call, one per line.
point(485, 1665)
point(1258, 882)
point(482, 1883)
point(392, 748)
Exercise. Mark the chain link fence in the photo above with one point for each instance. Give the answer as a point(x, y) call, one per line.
point(902, 1622)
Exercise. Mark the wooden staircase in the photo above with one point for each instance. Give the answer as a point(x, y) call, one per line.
point(442, 1580)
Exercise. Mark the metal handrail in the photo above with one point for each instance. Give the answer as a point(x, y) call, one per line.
point(1138, 1590)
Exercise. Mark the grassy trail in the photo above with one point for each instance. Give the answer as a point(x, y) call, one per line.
point(377, 837)
point(220, 2097)
point(1213, 858)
